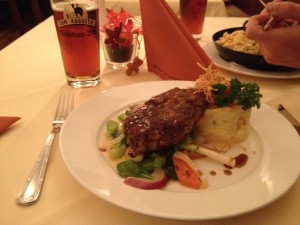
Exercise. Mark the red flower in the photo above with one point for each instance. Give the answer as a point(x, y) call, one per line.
point(114, 37)
point(119, 28)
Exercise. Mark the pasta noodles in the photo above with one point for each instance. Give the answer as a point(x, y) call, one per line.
point(237, 41)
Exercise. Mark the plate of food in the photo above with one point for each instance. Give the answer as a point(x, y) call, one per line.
point(263, 155)
point(212, 52)
point(233, 46)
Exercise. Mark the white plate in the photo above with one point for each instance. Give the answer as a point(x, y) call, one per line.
point(273, 166)
point(212, 52)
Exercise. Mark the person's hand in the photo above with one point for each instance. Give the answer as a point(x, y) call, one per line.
point(279, 45)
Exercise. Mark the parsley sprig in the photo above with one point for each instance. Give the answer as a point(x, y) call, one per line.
point(245, 95)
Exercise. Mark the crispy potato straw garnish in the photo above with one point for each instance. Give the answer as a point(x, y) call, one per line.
point(134, 66)
point(206, 80)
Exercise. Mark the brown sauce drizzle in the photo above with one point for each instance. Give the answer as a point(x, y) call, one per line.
point(241, 160)
point(213, 173)
point(227, 172)
point(131, 154)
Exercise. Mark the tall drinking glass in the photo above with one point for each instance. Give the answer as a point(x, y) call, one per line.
point(192, 14)
point(77, 26)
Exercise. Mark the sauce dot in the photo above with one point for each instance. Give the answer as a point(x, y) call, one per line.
point(227, 172)
point(241, 160)
point(213, 173)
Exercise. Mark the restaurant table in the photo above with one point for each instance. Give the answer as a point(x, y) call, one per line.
point(213, 8)
point(31, 81)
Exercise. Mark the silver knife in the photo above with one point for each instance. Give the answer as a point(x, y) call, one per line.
point(289, 117)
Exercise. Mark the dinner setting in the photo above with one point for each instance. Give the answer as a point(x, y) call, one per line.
point(152, 112)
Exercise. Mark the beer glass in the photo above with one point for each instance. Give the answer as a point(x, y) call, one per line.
point(192, 14)
point(77, 26)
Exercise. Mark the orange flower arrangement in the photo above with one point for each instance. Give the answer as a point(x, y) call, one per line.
point(120, 33)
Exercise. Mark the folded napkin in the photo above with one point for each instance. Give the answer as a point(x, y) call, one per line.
point(171, 51)
point(7, 121)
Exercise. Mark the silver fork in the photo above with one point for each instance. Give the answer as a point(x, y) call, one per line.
point(32, 188)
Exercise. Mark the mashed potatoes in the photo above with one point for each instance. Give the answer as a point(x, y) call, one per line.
point(221, 127)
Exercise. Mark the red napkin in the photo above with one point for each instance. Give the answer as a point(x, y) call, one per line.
point(171, 51)
point(7, 121)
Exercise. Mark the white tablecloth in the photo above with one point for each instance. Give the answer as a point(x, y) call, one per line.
point(31, 80)
point(214, 7)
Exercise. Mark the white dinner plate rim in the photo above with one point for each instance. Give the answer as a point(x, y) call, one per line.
point(82, 162)
point(212, 52)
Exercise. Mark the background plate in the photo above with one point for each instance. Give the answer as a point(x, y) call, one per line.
point(212, 52)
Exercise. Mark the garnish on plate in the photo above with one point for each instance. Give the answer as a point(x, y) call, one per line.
point(245, 95)
point(222, 92)
point(158, 140)
point(226, 120)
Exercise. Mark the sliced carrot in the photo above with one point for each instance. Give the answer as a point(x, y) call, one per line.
point(185, 174)
point(196, 155)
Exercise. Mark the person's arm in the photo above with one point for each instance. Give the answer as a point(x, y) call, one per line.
point(279, 45)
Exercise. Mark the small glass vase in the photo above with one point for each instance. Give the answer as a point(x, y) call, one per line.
point(125, 52)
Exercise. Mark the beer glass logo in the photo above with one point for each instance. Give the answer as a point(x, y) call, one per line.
point(74, 11)
point(75, 14)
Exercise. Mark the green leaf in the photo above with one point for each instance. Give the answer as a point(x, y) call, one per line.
point(169, 167)
point(190, 147)
point(148, 164)
point(159, 161)
point(117, 151)
point(112, 128)
point(245, 95)
point(122, 117)
point(130, 168)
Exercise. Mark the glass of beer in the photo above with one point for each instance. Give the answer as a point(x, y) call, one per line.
point(77, 26)
point(192, 14)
